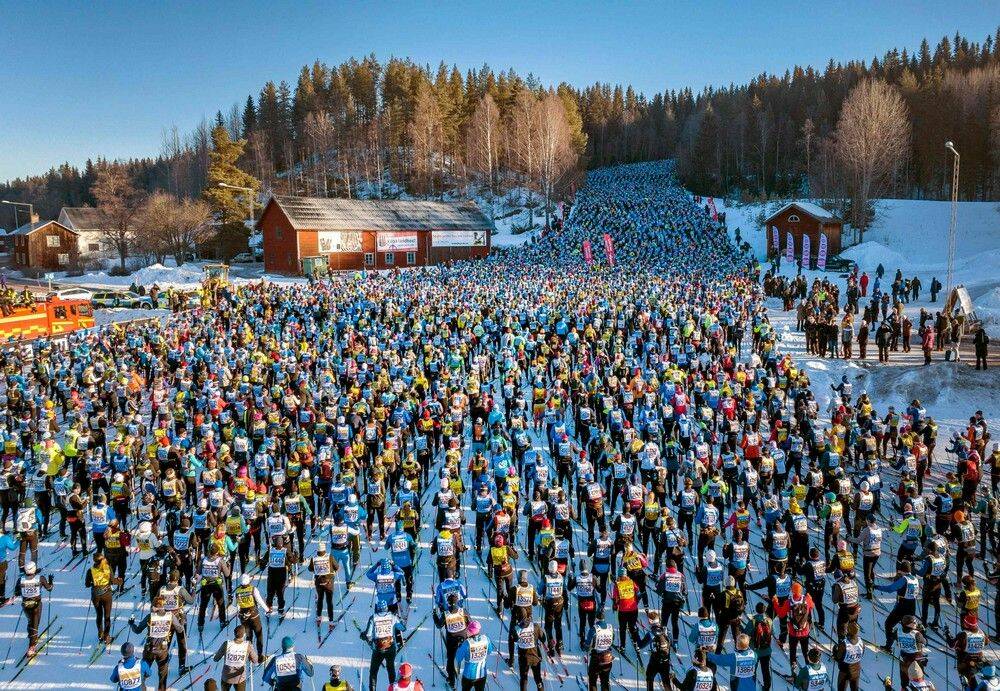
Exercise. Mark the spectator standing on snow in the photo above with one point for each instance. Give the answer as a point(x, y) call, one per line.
point(927, 342)
point(981, 342)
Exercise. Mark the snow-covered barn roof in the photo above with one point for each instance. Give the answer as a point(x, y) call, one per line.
point(814, 210)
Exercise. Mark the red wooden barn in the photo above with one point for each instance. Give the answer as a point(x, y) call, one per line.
point(369, 234)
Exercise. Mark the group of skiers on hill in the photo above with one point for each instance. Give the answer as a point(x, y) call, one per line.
point(594, 440)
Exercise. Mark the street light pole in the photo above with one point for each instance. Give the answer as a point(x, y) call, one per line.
point(954, 218)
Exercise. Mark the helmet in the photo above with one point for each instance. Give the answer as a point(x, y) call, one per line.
point(405, 670)
point(474, 628)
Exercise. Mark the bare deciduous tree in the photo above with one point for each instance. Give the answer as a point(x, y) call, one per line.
point(555, 146)
point(524, 138)
point(873, 141)
point(120, 201)
point(483, 142)
point(426, 137)
point(173, 227)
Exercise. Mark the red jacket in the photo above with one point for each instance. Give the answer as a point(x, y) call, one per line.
point(797, 615)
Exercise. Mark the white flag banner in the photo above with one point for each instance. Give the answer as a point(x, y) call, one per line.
point(821, 253)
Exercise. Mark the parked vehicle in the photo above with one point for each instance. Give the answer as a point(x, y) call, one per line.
point(54, 317)
point(122, 298)
point(243, 258)
point(72, 294)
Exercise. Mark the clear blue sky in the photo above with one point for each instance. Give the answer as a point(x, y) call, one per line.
point(83, 79)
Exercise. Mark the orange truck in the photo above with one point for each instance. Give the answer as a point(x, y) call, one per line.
point(53, 317)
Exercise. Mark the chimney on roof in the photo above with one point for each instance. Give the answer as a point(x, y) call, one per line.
point(34, 218)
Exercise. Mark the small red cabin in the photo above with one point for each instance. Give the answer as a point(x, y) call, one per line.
point(803, 219)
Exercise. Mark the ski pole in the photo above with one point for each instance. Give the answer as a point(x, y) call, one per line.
point(86, 622)
point(49, 625)
point(13, 636)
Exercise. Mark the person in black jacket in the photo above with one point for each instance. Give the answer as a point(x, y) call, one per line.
point(981, 341)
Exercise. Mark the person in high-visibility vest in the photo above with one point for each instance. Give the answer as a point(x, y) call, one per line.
point(100, 581)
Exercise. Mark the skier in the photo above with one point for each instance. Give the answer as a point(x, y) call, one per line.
point(324, 570)
point(384, 634)
point(337, 682)
point(130, 673)
point(813, 675)
point(529, 639)
point(29, 588)
point(405, 680)
point(236, 653)
point(848, 653)
point(100, 581)
point(284, 671)
point(472, 657)
point(742, 664)
point(597, 642)
point(454, 620)
point(249, 602)
point(160, 626)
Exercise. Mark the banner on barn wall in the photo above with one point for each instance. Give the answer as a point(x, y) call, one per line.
point(609, 249)
point(588, 254)
point(333, 242)
point(790, 248)
point(775, 239)
point(458, 238)
point(396, 242)
point(821, 253)
point(806, 248)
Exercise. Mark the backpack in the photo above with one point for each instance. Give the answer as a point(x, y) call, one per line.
point(762, 633)
point(972, 473)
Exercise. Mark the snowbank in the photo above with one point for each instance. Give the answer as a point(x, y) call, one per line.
point(871, 254)
point(988, 310)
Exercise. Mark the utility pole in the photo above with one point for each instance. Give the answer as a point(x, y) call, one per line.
point(954, 219)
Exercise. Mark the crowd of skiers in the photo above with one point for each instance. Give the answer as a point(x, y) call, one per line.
point(637, 485)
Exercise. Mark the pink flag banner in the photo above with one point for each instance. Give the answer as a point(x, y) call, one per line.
point(609, 249)
point(790, 248)
point(588, 254)
point(806, 248)
point(821, 253)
